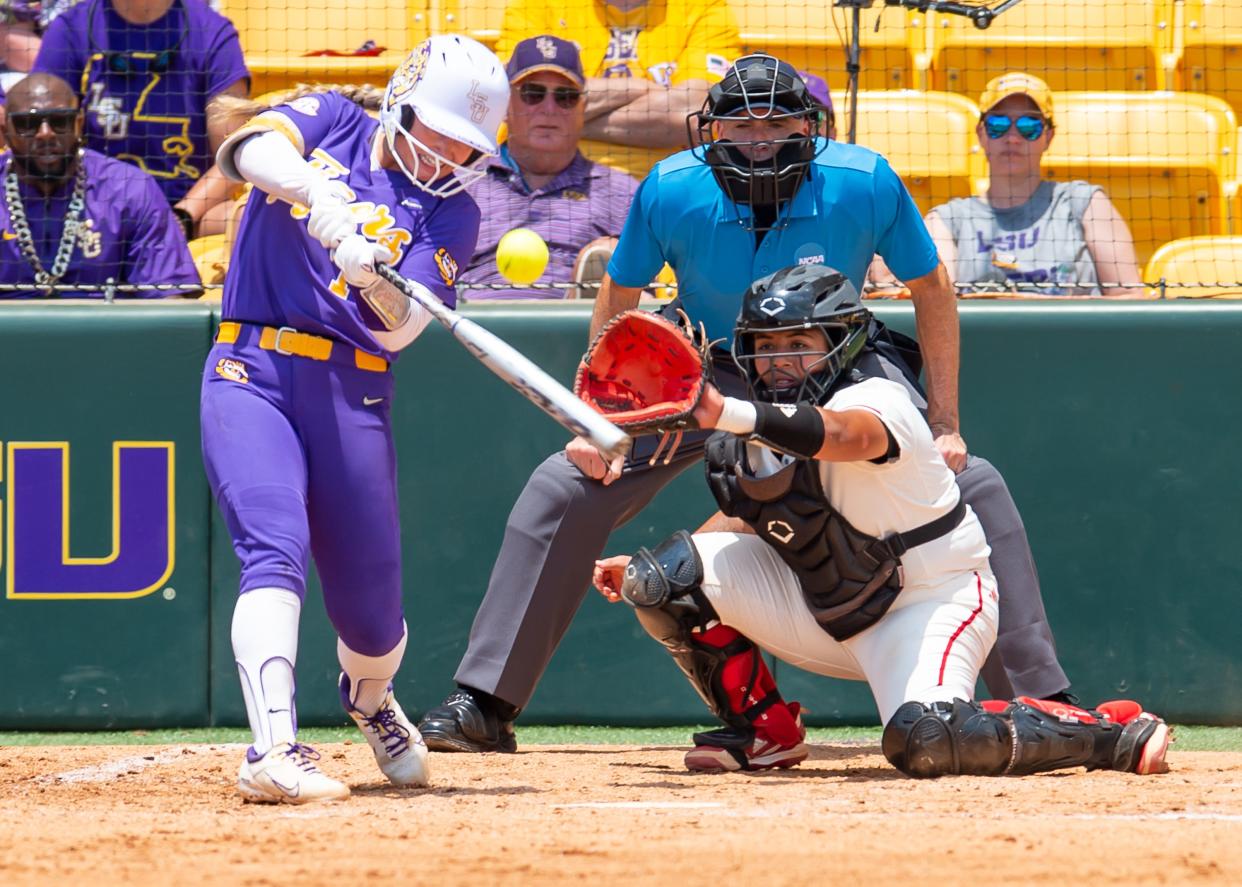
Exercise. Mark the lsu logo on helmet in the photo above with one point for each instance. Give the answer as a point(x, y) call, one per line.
point(410, 73)
point(447, 265)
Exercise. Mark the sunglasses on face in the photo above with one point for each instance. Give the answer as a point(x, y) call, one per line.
point(534, 93)
point(1029, 126)
point(28, 123)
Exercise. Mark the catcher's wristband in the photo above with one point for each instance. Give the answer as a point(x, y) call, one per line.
point(796, 429)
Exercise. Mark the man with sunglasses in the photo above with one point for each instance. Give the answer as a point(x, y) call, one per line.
point(763, 191)
point(71, 215)
point(541, 181)
point(147, 71)
point(647, 64)
point(1049, 238)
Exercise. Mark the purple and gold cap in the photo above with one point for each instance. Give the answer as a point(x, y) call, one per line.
point(546, 53)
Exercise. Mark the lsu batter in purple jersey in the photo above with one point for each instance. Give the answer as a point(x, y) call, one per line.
point(297, 440)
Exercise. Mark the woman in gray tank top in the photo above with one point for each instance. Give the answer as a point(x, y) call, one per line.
point(1043, 237)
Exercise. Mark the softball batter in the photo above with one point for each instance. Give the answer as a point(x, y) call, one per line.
point(843, 546)
point(296, 392)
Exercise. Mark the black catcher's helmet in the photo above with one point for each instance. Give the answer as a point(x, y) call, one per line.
point(757, 87)
point(802, 297)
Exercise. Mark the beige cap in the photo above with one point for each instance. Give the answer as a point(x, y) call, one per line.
point(1002, 87)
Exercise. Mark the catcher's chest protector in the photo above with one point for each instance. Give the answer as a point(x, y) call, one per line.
point(849, 579)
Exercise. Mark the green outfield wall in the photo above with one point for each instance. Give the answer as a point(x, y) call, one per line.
point(1115, 425)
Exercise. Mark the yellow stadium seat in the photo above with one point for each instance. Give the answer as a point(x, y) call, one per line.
point(276, 36)
point(1072, 44)
point(480, 19)
point(1211, 260)
point(210, 255)
point(813, 37)
point(1212, 55)
point(1166, 159)
point(928, 137)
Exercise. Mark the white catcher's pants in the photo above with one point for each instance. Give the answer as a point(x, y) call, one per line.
point(928, 648)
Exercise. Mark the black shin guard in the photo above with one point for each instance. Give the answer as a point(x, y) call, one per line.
point(663, 586)
point(959, 737)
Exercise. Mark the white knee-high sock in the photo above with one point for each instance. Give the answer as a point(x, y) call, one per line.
point(265, 646)
point(369, 676)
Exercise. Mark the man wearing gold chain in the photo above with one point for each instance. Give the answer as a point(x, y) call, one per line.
point(72, 217)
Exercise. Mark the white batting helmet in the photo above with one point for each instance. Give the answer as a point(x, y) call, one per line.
point(455, 86)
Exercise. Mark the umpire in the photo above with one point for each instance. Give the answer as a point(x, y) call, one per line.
point(762, 191)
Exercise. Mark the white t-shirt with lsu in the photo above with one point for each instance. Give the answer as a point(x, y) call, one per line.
point(901, 494)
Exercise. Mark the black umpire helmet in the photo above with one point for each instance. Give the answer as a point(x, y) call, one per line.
point(758, 87)
point(796, 298)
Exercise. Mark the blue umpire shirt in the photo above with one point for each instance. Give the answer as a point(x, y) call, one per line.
point(850, 206)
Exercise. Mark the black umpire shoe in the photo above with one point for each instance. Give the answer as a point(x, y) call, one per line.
point(472, 721)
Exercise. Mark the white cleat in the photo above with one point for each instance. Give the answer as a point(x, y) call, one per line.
point(398, 746)
point(287, 774)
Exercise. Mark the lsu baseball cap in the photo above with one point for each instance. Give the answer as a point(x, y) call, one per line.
point(1002, 87)
point(546, 53)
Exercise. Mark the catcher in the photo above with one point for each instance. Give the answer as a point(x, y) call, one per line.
point(843, 546)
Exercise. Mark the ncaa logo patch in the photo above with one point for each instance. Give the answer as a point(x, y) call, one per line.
point(233, 370)
point(810, 254)
point(410, 73)
point(447, 265)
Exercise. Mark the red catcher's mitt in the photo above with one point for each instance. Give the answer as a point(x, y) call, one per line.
point(645, 373)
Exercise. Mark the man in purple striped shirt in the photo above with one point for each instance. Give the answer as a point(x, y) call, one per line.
point(541, 181)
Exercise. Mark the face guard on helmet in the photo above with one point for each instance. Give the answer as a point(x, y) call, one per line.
point(456, 87)
point(798, 298)
point(757, 87)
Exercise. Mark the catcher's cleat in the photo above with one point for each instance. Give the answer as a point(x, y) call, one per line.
point(467, 721)
point(287, 774)
point(732, 749)
point(399, 748)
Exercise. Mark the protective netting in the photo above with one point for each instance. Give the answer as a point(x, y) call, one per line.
point(1106, 163)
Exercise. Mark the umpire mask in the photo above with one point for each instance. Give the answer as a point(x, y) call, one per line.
point(761, 174)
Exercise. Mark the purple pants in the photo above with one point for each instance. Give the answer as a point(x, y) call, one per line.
point(300, 459)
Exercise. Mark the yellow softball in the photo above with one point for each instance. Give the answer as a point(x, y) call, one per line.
point(521, 256)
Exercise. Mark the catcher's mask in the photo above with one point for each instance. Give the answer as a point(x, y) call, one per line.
point(798, 298)
point(758, 87)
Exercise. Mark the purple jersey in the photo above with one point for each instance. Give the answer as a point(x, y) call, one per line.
point(280, 276)
point(127, 232)
point(145, 87)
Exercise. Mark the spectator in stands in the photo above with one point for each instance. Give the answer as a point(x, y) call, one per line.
point(818, 88)
point(74, 216)
point(541, 181)
point(647, 66)
point(147, 71)
point(1028, 231)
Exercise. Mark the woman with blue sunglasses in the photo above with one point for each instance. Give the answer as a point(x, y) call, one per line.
point(1028, 233)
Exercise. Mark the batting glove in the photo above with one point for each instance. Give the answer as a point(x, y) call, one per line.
point(331, 218)
point(356, 256)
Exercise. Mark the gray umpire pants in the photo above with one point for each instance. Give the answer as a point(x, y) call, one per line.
point(561, 522)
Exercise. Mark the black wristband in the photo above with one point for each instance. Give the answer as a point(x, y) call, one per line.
point(796, 429)
point(186, 220)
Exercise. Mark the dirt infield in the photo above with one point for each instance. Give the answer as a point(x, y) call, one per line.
point(599, 814)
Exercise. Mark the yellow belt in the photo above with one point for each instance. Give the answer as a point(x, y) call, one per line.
point(287, 340)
